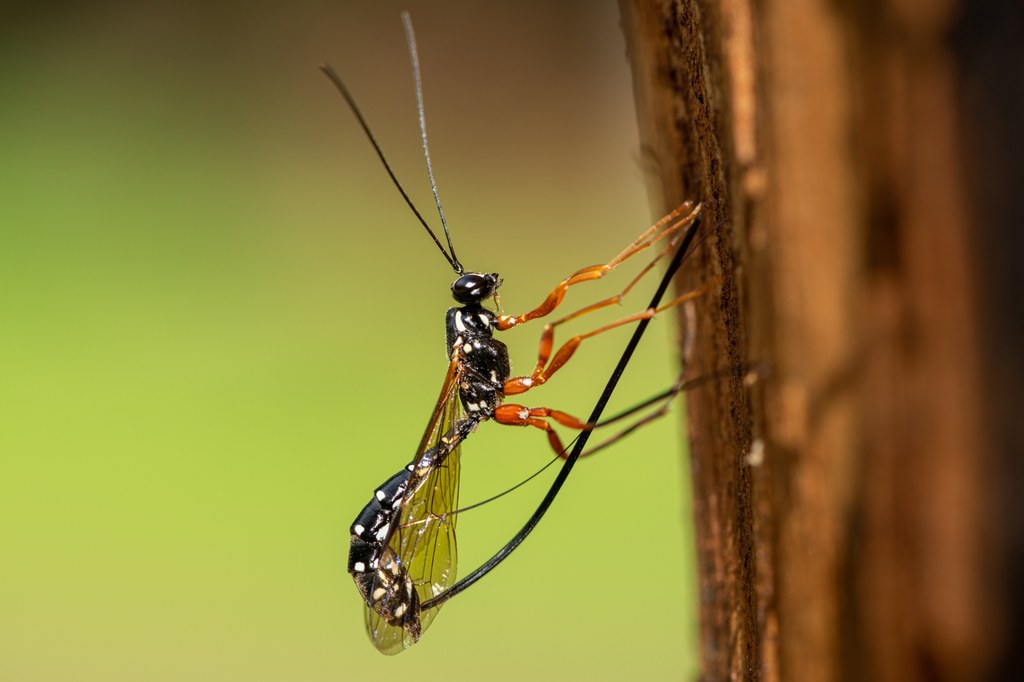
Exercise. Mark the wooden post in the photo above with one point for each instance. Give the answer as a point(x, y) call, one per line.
point(855, 519)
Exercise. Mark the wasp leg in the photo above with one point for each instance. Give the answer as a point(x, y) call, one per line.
point(663, 401)
point(519, 415)
point(544, 369)
point(665, 227)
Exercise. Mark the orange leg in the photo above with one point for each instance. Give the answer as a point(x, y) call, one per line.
point(543, 370)
point(519, 415)
point(656, 406)
point(668, 225)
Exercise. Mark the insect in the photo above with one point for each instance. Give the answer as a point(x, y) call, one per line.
point(403, 550)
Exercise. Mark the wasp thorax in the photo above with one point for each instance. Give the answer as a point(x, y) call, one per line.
point(474, 287)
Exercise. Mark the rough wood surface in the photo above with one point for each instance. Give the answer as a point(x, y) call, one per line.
point(851, 517)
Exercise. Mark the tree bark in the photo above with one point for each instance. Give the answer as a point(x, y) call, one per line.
point(856, 505)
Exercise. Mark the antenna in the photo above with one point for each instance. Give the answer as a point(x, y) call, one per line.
point(351, 102)
point(410, 38)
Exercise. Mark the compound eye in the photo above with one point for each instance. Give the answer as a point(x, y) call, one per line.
point(473, 287)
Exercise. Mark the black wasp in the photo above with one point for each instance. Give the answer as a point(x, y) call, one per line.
point(402, 552)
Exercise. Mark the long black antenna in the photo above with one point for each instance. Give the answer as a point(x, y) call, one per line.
point(581, 442)
point(410, 38)
point(340, 85)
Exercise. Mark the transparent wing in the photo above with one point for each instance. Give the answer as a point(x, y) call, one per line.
point(423, 541)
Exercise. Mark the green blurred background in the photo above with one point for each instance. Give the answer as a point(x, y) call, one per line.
point(222, 329)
